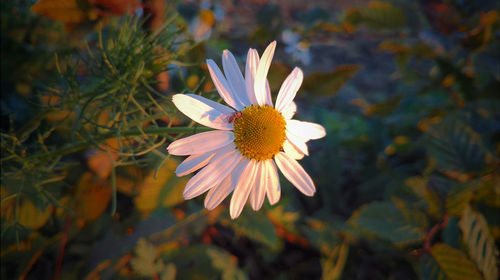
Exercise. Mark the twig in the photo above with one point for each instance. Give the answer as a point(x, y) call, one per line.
point(433, 231)
point(61, 249)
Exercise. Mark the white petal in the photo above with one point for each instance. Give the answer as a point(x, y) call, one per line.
point(289, 89)
point(295, 174)
point(292, 151)
point(212, 174)
point(200, 143)
point(298, 142)
point(193, 163)
point(221, 84)
point(289, 111)
point(261, 77)
point(258, 192)
point(308, 129)
point(269, 100)
point(242, 189)
point(250, 72)
point(273, 188)
point(219, 107)
point(201, 111)
point(217, 194)
point(235, 79)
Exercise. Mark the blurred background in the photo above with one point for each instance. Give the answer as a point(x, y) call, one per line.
point(407, 177)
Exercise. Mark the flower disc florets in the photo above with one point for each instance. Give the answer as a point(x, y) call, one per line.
point(259, 132)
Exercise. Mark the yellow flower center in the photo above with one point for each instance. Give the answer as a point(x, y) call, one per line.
point(259, 132)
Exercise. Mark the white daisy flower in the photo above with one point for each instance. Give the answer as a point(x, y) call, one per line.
point(250, 139)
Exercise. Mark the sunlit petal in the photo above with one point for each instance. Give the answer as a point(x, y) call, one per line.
point(292, 170)
point(200, 143)
point(258, 192)
point(211, 175)
point(261, 77)
point(222, 86)
point(289, 89)
point(203, 111)
point(235, 79)
point(242, 189)
point(308, 129)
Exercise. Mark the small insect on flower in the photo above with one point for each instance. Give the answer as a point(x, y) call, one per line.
point(234, 116)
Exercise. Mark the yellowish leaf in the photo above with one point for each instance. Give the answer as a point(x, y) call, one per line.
point(149, 190)
point(32, 217)
point(174, 195)
point(454, 263)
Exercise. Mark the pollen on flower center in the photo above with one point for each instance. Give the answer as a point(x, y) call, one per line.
point(259, 132)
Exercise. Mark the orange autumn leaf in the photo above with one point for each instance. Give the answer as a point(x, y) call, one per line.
point(101, 162)
point(489, 18)
point(56, 114)
point(7, 206)
point(67, 11)
point(116, 7)
point(92, 197)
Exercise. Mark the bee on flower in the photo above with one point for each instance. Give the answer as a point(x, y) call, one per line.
point(252, 138)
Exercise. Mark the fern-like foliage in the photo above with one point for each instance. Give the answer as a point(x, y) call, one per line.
point(480, 243)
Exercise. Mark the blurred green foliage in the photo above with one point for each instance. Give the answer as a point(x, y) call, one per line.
point(407, 177)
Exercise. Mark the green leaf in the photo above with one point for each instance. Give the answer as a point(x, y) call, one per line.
point(451, 234)
point(256, 225)
point(226, 263)
point(193, 262)
point(328, 84)
point(480, 243)
point(458, 199)
point(488, 191)
point(322, 235)
point(485, 190)
point(377, 15)
point(447, 263)
point(387, 221)
point(384, 108)
point(454, 145)
point(419, 187)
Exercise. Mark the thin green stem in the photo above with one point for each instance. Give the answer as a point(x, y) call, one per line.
point(81, 145)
